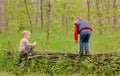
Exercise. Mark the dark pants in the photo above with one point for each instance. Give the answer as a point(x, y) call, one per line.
point(24, 55)
point(84, 40)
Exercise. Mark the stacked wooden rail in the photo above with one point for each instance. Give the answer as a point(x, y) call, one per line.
point(54, 57)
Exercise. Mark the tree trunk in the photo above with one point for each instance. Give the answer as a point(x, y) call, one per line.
point(42, 23)
point(36, 2)
point(29, 18)
point(107, 4)
point(99, 16)
point(42, 15)
point(89, 20)
point(64, 18)
point(49, 19)
point(115, 14)
point(88, 13)
point(1, 15)
point(7, 18)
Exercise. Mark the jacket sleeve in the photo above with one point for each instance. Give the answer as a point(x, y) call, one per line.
point(76, 33)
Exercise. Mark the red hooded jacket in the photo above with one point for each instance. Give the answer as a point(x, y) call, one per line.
point(76, 33)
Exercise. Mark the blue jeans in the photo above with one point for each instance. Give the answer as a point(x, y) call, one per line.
point(84, 40)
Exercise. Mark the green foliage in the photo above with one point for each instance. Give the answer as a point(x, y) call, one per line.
point(66, 66)
point(106, 68)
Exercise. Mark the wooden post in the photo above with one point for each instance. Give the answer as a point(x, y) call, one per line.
point(9, 47)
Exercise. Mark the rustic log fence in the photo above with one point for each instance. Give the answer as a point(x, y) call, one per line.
point(98, 59)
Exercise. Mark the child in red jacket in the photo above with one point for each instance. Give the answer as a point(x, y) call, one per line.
point(84, 30)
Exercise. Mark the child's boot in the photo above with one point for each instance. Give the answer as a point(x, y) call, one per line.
point(81, 53)
point(87, 53)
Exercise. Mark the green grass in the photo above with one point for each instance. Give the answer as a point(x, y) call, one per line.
point(64, 41)
point(107, 42)
point(37, 74)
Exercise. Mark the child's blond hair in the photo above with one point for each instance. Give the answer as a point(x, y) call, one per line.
point(25, 32)
point(77, 18)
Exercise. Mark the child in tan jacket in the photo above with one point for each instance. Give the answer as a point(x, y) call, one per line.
point(23, 47)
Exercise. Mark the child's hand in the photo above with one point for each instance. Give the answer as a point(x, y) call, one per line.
point(34, 43)
point(76, 42)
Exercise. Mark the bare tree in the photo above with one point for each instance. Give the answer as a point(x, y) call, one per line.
point(89, 20)
point(42, 23)
point(36, 4)
point(115, 14)
point(42, 15)
point(64, 18)
point(99, 16)
point(49, 18)
point(30, 21)
point(1, 15)
point(7, 27)
point(88, 13)
point(107, 4)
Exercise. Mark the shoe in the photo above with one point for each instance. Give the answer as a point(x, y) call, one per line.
point(30, 57)
point(30, 54)
point(81, 53)
point(87, 53)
